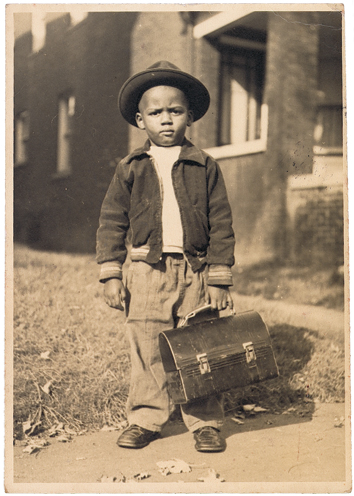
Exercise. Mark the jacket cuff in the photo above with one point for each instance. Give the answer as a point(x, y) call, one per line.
point(219, 275)
point(110, 270)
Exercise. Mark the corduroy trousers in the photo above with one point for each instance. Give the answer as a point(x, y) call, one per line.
point(159, 296)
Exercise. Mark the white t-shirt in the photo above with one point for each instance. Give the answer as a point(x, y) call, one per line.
point(172, 232)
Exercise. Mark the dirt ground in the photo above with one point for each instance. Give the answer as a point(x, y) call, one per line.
point(300, 450)
point(307, 452)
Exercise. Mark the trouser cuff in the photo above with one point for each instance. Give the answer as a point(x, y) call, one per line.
point(212, 423)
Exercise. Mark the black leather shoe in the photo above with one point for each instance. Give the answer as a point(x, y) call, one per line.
point(209, 439)
point(136, 437)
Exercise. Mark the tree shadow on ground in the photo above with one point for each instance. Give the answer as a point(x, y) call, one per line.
point(284, 398)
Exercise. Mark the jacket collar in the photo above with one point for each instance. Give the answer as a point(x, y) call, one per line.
point(189, 153)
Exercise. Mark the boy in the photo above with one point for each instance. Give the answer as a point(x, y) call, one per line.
point(172, 197)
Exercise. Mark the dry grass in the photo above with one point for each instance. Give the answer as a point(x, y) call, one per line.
point(301, 285)
point(58, 309)
point(71, 359)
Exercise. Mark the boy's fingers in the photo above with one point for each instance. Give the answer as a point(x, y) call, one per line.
point(213, 304)
point(230, 302)
point(114, 303)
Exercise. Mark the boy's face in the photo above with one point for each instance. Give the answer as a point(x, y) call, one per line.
point(164, 114)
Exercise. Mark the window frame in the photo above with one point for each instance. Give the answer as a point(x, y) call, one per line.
point(66, 112)
point(245, 47)
point(322, 149)
point(245, 89)
point(21, 138)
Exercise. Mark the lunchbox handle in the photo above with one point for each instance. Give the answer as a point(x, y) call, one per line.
point(197, 311)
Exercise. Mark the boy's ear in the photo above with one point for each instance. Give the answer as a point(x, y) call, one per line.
point(139, 120)
point(190, 118)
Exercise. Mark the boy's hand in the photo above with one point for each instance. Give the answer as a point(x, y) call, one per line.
point(220, 297)
point(114, 293)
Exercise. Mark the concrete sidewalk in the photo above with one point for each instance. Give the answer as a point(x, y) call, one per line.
point(304, 449)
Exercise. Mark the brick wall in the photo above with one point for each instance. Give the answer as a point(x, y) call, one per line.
point(91, 59)
point(316, 229)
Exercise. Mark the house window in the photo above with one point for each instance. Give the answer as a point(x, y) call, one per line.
point(329, 128)
point(21, 137)
point(66, 110)
point(242, 78)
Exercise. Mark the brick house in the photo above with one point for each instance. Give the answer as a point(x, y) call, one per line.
point(275, 122)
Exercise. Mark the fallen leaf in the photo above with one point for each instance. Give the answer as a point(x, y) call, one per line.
point(26, 426)
point(122, 425)
point(47, 387)
point(45, 355)
point(109, 428)
point(29, 428)
point(55, 429)
point(142, 476)
point(291, 409)
point(259, 409)
point(339, 422)
point(107, 479)
point(212, 476)
point(34, 447)
point(69, 431)
point(31, 448)
point(120, 478)
point(174, 466)
point(43, 442)
point(238, 421)
point(248, 408)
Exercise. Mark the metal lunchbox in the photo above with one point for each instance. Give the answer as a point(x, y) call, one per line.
point(215, 355)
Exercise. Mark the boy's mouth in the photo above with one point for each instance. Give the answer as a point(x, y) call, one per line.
point(167, 132)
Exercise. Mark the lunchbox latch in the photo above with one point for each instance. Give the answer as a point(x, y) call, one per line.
point(204, 366)
point(250, 353)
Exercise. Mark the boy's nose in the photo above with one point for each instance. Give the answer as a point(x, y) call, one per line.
point(166, 117)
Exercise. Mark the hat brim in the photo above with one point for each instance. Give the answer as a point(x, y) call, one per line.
point(133, 89)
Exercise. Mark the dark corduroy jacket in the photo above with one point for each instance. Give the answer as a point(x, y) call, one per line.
point(133, 200)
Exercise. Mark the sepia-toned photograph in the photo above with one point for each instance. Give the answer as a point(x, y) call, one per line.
point(177, 281)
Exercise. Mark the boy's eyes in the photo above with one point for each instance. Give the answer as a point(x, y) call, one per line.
point(172, 111)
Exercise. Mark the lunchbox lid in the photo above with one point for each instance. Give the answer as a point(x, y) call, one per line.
point(221, 337)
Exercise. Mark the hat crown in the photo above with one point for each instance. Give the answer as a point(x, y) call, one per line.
point(162, 73)
point(165, 65)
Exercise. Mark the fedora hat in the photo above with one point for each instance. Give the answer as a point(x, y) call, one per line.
point(165, 74)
